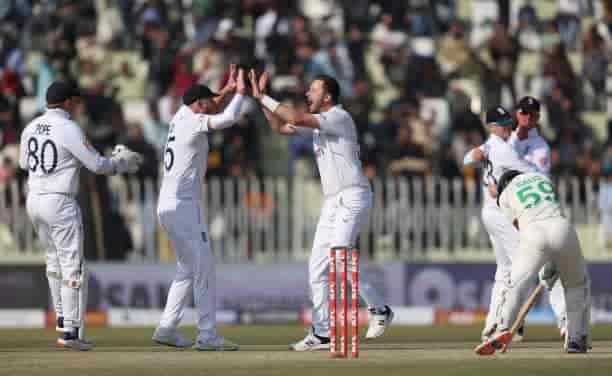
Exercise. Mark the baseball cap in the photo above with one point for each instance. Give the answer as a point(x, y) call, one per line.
point(60, 91)
point(196, 92)
point(528, 104)
point(500, 116)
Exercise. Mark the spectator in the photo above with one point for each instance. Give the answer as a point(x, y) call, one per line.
point(455, 56)
point(406, 157)
point(161, 61)
point(568, 21)
point(155, 131)
point(502, 54)
point(528, 29)
point(595, 65)
point(361, 105)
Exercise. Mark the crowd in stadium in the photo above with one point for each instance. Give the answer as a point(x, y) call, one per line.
point(414, 75)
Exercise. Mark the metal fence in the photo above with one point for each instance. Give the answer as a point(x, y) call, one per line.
point(274, 219)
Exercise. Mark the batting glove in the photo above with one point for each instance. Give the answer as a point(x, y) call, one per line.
point(548, 275)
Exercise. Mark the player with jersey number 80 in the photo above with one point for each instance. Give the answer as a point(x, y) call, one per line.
point(53, 147)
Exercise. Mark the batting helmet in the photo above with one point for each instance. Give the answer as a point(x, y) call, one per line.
point(504, 180)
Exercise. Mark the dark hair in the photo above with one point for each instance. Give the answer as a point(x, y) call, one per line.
point(330, 85)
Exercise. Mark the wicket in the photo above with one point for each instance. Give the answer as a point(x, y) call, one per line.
point(344, 302)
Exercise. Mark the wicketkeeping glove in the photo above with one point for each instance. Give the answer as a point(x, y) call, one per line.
point(548, 275)
point(126, 160)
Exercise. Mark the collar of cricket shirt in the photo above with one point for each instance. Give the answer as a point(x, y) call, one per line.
point(59, 112)
point(495, 137)
point(533, 132)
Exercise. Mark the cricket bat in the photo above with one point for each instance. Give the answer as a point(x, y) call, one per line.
point(500, 343)
point(525, 308)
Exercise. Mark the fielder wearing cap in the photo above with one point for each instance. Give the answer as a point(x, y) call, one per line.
point(496, 156)
point(178, 209)
point(52, 150)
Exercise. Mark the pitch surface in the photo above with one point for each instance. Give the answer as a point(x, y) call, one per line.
point(264, 351)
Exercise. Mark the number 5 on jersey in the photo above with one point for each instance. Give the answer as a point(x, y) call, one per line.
point(169, 154)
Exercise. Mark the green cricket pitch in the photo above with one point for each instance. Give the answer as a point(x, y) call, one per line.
point(264, 351)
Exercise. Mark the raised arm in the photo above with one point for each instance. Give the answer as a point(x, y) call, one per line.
point(259, 88)
point(230, 115)
point(227, 90)
point(285, 113)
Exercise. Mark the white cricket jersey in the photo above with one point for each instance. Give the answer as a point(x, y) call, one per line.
point(501, 158)
point(185, 155)
point(534, 149)
point(52, 149)
point(337, 151)
point(530, 197)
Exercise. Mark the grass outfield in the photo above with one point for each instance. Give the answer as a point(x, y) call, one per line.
point(403, 350)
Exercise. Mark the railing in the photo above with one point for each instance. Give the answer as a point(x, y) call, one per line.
point(274, 220)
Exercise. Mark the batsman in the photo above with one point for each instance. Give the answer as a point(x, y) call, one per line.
point(549, 244)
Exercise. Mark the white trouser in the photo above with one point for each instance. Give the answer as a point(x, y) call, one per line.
point(341, 219)
point(57, 221)
point(542, 241)
point(195, 264)
point(505, 240)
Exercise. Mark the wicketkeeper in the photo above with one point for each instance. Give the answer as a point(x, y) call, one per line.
point(53, 148)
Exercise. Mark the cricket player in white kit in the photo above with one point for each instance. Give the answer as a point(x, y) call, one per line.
point(348, 196)
point(497, 156)
point(179, 211)
point(530, 202)
point(532, 147)
point(53, 148)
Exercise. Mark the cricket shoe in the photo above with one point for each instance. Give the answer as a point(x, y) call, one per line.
point(577, 346)
point(311, 342)
point(488, 333)
point(379, 321)
point(498, 342)
point(70, 340)
point(170, 337)
point(215, 344)
point(519, 335)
